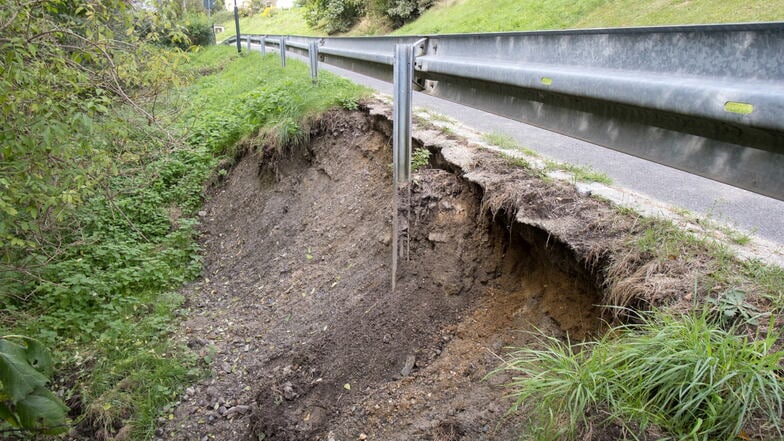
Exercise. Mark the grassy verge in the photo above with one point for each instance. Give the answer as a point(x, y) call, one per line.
point(515, 15)
point(282, 22)
point(661, 240)
point(254, 92)
point(707, 367)
point(107, 301)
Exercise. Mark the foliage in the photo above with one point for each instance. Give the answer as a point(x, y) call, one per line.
point(401, 11)
point(197, 30)
point(682, 373)
point(168, 27)
point(731, 309)
point(420, 158)
point(25, 368)
point(333, 16)
point(96, 202)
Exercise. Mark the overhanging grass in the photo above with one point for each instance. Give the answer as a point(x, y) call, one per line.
point(521, 15)
point(253, 92)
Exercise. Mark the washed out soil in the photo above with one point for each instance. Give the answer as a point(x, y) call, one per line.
point(295, 314)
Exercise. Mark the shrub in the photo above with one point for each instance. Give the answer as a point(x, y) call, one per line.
point(198, 30)
point(333, 15)
point(401, 11)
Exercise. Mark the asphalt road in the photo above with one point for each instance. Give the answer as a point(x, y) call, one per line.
point(747, 211)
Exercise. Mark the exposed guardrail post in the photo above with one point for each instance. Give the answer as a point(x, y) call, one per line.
point(403, 73)
point(313, 56)
point(248, 43)
point(263, 45)
point(283, 51)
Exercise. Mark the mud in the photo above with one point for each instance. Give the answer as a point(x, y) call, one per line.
point(295, 315)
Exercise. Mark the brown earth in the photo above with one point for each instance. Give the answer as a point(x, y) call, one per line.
point(295, 313)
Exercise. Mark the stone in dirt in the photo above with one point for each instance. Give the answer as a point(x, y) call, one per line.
point(408, 366)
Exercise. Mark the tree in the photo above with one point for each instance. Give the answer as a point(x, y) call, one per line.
point(64, 66)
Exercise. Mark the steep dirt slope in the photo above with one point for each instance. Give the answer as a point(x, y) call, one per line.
point(295, 313)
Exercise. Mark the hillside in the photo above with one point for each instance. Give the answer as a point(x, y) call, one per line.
point(282, 21)
point(454, 16)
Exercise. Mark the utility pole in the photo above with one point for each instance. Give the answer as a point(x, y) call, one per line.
point(237, 26)
point(209, 4)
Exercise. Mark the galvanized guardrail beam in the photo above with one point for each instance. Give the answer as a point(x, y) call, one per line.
point(706, 99)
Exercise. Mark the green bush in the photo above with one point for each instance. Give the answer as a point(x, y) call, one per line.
point(333, 15)
point(199, 31)
point(401, 12)
point(193, 31)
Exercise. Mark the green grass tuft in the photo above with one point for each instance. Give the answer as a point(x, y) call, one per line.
point(579, 173)
point(516, 161)
point(501, 140)
point(683, 374)
point(506, 142)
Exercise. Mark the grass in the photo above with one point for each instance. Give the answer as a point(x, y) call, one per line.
point(282, 22)
point(663, 241)
point(447, 131)
point(420, 158)
point(500, 140)
point(659, 12)
point(507, 142)
point(519, 15)
point(435, 116)
point(516, 161)
point(454, 16)
point(579, 173)
point(108, 304)
point(254, 92)
point(683, 374)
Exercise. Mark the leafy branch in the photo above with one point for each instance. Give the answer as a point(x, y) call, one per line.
point(25, 402)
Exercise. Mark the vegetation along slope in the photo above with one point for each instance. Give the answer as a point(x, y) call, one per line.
point(110, 135)
point(375, 17)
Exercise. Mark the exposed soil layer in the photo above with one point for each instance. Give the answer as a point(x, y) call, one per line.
point(295, 313)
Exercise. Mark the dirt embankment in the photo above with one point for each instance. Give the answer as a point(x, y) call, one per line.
point(296, 317)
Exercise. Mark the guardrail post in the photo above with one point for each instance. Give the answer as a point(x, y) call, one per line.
point(248, 43)
point(283, 51)
point(403, 73)
point(263, 46)
point(401, 120)
point(313, 56)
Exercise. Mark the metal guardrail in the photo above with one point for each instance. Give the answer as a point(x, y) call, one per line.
point(705, 99)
